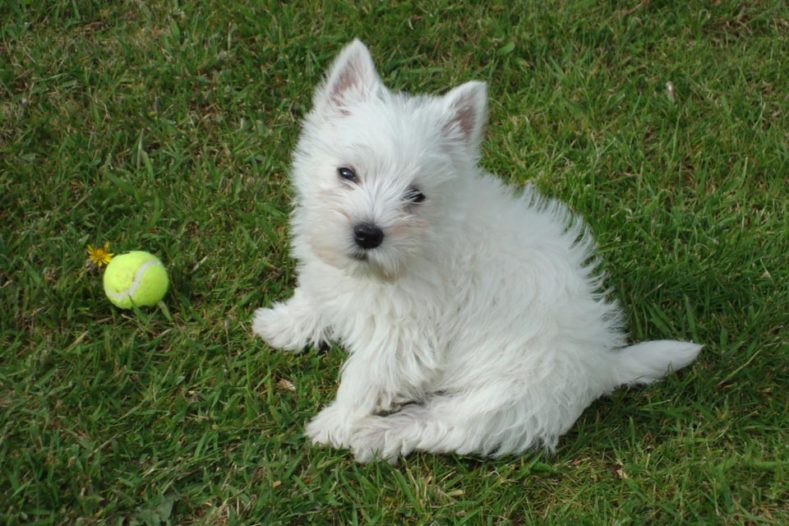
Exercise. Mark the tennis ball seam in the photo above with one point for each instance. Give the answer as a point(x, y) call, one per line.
point(136, 281)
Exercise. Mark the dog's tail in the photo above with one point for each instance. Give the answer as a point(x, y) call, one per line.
point(646, 362)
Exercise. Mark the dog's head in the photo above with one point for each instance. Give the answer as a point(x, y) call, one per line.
point(377, 173)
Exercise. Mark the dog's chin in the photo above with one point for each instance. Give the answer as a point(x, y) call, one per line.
point(371, 264)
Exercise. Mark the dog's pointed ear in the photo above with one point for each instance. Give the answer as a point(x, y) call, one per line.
point(352, 78)
point(467, 109)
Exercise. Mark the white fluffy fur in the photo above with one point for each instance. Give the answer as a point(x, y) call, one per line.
point(478, 326)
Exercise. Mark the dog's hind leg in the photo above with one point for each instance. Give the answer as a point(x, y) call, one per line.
point(398, 434)
point(452, 424)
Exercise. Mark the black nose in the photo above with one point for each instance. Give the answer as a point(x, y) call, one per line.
point(367, 235)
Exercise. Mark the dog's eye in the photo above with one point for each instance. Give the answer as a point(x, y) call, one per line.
point(347, 173)
point(414, 195)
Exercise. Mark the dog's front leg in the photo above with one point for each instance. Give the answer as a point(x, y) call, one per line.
point(291, 325)
point(373, 383)
point(360, 394)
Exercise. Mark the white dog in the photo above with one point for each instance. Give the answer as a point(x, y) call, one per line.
point(473, 316)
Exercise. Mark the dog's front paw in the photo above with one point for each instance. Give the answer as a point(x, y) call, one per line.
point(277, 329)
point(331, 427)
point(372, 440)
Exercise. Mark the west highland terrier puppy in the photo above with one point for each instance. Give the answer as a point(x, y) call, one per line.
point(473, 315)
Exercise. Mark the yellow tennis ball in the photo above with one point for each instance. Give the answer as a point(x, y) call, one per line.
point(135, 278)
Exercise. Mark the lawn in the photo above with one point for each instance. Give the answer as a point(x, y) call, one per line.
point(168, 126)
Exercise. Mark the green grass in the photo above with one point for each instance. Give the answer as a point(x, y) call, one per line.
point(168, 126)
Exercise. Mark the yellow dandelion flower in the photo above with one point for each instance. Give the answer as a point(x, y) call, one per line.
point(100, 256)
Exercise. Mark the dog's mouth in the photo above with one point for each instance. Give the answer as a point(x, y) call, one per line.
point(369, 263)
